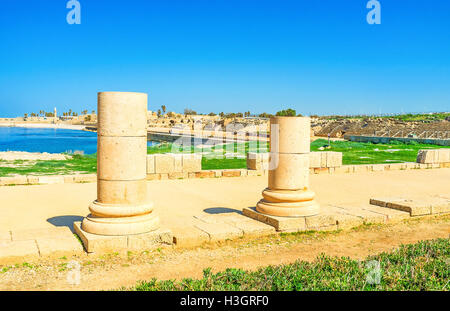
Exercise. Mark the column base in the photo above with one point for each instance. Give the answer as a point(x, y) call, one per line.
point(100, 244)
point(287, 203)
point(120, 225)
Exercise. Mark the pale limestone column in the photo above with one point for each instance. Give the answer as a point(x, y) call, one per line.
point(122, 206)
point(288, 193)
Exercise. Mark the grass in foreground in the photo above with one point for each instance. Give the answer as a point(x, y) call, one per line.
point(420, 266)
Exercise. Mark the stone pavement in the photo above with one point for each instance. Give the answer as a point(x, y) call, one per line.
point(36, 221)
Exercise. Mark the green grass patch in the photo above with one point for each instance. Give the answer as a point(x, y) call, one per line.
point(81, 164)
point(371, 153)
point(420, 266)
point(227, 156)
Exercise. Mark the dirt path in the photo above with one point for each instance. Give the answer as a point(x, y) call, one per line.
point(114, 271)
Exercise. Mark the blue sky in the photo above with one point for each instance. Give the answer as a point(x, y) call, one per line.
point(318, 57)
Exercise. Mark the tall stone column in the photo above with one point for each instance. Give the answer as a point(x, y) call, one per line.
point(288, 193)
point(122, 206)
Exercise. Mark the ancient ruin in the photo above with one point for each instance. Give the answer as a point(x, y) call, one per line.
point(288, 193)
point(122, 206)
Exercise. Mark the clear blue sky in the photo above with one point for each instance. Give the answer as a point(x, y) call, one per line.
point(318, 57)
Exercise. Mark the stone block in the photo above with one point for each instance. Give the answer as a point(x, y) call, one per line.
point(178, 175)
point(411, 165)
point(440, 206)
point(122, 191)
point(189, 236)
point(290, 135)
point(16, 180)
point(323, 159)
point(85, 178)
point(360, 168)
point(254, 173)
point(344, 169)
point(164, 163)
point(253, 161)
point(178, 166)
point(413, 207)
point(430, 156)
point(18, 251)
point(315, 159)
point(41, 233)
point(33, 180)
point(219, 231)
point(333, 159)
point(50, 180)
point(281, 224)
point(100, 243)
point(205, 174)
point(68, 179)
point(150, 240)
point(378, 167)
point(122, 158)
point(150, 164)
point(391, 215)
point(347, 221)
point(57, 246)
point(218, 173)
point(444, 155)
point(395, 166)
point(192, 162)
point(319, 221)
point(418, 207)
point(153, 177)
point(247, 225)
point(231, 173)
point(367, 217)
point(320, 170)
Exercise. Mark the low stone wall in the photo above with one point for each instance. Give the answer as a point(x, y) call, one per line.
point(430, 156)
point(183, 166)
point(361, 168)
point(170, 163)
point(324, 159)
point(42, 180)
point(386, 140)
point(47, 180)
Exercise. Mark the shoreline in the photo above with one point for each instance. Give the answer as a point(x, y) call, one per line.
point(44, 126)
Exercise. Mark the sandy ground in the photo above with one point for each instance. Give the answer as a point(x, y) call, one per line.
point(114, 272)
point(176, 201)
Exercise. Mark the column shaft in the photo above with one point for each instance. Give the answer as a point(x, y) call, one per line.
point(288, 191)
point(122, 205)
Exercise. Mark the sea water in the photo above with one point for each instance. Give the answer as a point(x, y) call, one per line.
point(48, 140)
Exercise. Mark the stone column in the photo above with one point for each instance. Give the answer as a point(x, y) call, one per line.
point(288, 193)
point(122, 206)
